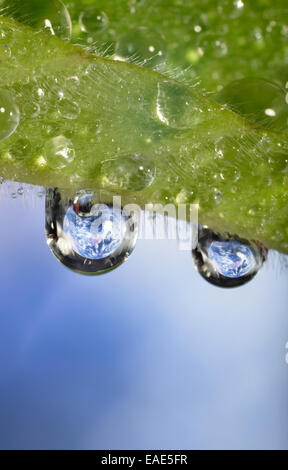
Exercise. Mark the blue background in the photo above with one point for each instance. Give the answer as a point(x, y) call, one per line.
point(147, 356)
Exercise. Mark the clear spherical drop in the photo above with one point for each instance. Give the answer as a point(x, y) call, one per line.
point(31, 109)
point(68, 109)
point(51, 17)
point(92, 20)
point(132, 172)
point(176, 106)
point(20, 149)
point(258, 100)
point(59, 152)
point(86, 235)
point(143, 46)
point(227, 261)
point(9, 114)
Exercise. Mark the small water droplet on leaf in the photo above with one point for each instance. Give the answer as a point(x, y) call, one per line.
point(258, 100)
point(9, 114)
point(132, 172)
point(92, 20)
point(142, 45)
point(59, 152)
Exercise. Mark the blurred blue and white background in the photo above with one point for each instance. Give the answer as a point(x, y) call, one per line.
point(147, 356)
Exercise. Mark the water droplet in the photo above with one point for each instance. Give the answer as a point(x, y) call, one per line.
point(88, 244)
point(20, 149)
point(132, 172)
point(92, 20)
point(31, 109)
point(68, 109)
point(142, 45)
point(51, 17)
point(176, 106)
point(227, 261)
point(9, 114)
point(59, 152)
point(258, 100)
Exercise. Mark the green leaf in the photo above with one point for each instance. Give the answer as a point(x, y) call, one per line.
point(90, 121)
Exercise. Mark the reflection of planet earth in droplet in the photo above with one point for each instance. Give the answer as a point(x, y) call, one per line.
point(231, 258)
point(97, 236)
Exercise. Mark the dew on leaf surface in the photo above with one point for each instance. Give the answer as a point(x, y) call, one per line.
point(59, 152)
point(176, 106)
point(132, 172)
point(258, 100)
point(92, 20)
point(9, 114)
point(143, 46)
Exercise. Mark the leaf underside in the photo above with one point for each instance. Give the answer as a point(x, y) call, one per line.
point(106, 109)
